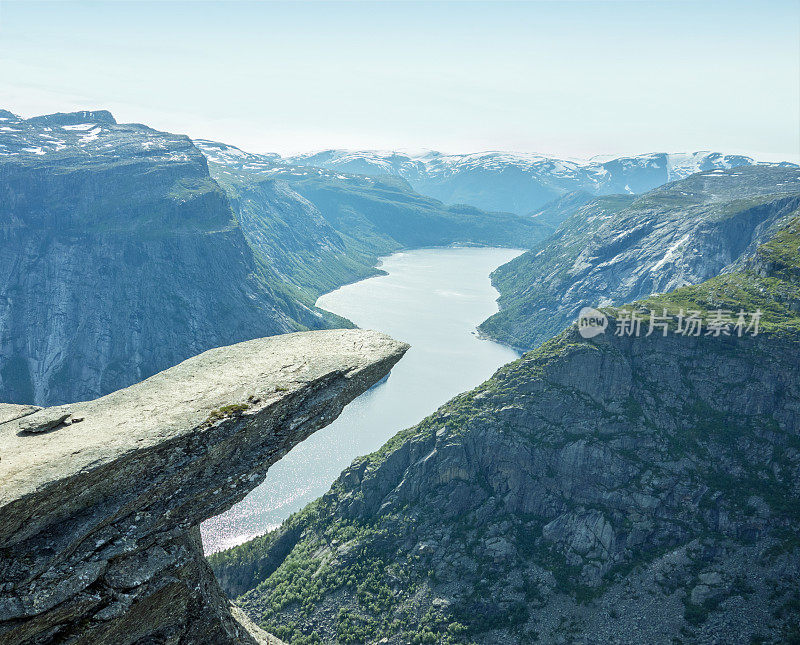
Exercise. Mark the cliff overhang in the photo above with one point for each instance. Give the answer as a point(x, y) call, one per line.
point(99, 514)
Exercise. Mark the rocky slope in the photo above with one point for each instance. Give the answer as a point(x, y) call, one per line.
point(620, 489)
point(554, 213)
point(100, 501)
point(620, 248)
point(121, 256)
point(321, 228)
point(517, 182)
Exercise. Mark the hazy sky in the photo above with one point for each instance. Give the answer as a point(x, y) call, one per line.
point(565, 78)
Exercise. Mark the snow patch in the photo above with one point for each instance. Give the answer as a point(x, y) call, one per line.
point(671, 253)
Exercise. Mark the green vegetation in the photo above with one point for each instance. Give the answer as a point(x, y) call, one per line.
point(350, 559)
point(696, 615)
point(769, 283)
point(665, 460)
point(322, 229)
point(232, 410)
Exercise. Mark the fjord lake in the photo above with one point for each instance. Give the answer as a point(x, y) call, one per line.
point(432, 299)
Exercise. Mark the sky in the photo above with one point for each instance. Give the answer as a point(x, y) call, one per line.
point(569, 79)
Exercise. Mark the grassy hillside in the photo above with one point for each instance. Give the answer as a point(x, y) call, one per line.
point(769, 282)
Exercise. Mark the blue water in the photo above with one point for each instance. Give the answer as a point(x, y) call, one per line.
point(432, 299)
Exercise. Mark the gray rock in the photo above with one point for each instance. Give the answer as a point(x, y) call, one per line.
point(585, 522)
point(713, 578)
point(45, 420)
point(701, 593)
point(500, 548)
point(618, 249)
point(98, 537)
point(107, 184)
point(11, 411)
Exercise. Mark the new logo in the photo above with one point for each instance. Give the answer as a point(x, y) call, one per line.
point(591, 322)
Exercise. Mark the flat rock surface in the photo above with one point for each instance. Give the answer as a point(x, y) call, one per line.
point(179, 400)
point(99, 515)
point(11, 411)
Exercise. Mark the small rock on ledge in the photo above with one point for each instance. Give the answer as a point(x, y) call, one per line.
point(45, 420)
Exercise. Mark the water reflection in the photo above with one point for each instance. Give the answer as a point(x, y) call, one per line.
point(432, 299)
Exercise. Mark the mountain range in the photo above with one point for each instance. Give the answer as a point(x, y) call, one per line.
point(126, 250)
point(520, 182)
point(620, 248)
point(121, 257)
point(624, 487)
point(349, 218)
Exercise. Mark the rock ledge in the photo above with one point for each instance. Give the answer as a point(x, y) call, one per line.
point(98, 519)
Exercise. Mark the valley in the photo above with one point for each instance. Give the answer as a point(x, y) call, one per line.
point(626, 487)
point(432, 299)
point(160, 249)
point(652, 476)
point(399, 323)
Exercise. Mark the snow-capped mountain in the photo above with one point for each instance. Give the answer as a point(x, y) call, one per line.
point(222, 153)
point(89, 136)
point(513, 182)
point(519, 182)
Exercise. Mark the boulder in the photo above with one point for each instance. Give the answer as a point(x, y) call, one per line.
point(45, 420)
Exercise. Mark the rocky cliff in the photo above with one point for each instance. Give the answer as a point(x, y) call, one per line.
point(620, 248)
point(100, 501)
point(123, 255)
point(620, 489)
point(120, 257)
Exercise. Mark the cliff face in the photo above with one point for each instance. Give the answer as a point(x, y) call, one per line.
point(121, 256)
point(620, 248)
point(618, 489)
point(99, 513)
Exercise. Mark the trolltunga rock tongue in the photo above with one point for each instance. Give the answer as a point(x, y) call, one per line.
point(98, 518)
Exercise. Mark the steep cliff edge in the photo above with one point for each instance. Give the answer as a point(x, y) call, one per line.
point(620, 489)
point(99, 513)
point(122, 254)
point(120, 257)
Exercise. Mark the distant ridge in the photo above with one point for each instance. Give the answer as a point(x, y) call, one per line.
point(521, 182)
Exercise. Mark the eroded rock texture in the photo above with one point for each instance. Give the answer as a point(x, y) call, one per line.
point(120, 257)
point(99, 515)
point(608, 491)
point(618, 489)
point(621, 248)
